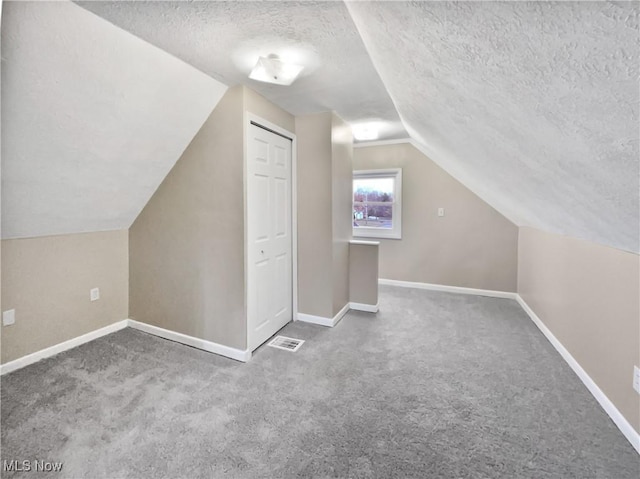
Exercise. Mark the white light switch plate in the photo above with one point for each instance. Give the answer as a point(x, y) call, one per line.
point(440, 211)
point(95, 294)
point(9, 317)
point(636, 379)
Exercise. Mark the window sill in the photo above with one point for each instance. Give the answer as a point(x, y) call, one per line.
point(375, 235)
point(364, 243)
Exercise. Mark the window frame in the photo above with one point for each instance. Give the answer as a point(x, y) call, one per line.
point(382, 233)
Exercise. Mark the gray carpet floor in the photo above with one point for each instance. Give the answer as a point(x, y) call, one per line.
point(436, 385)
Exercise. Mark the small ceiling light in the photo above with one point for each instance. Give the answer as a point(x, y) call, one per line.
point(366, 131)
point(273, 70)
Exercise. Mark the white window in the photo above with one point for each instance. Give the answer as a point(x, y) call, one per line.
point(377, 203)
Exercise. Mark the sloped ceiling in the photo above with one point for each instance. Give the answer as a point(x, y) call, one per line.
point(93, 119)
point(212, 35)
point(532, 105)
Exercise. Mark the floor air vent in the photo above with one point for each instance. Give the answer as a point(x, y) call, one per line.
point(288, 344)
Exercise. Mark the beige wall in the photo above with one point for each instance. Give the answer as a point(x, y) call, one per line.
point(472, 246)
point(325, 150)
point(258, 105)
point(315, 235)
point(187, 246)
point(363, 273)
point(47, 281)
point(588, 296)
point(341, 188)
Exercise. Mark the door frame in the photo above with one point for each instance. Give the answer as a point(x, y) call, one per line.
point(250, 118)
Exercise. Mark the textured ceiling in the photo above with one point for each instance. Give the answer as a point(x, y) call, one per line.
point(93, 119)
point(532, 105)
point(212, 35)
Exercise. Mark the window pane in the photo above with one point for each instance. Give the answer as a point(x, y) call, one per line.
point(373, 216)
point(373, 189)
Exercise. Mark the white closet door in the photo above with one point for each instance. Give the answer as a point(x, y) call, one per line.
point(269, 291)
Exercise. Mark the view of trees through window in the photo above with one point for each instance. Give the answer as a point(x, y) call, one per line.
point(373, 200)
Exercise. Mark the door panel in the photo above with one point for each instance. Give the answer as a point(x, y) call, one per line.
point(261, 187)
point(262, 272)
point(262, 150)
point(281, 209)
point(280, 156)
point(282, 268)
point(269, 262)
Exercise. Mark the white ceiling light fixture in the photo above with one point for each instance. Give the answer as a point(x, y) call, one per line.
point(366, 131)
point(272, 69)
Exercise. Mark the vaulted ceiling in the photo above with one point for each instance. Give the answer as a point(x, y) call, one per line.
point(532, 105)
point(224, 39)
point(93, 119)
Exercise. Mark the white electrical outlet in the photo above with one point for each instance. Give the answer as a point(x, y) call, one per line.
point(9, 317)
point(440, 211)
point(95, 294)
point(636, 379)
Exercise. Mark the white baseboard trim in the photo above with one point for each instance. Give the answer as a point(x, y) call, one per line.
point(210, 346)
point(245, 355)
point(448, 289)
point(627, 429)
point(368, 308)
point(322, 321)
point(61, 347)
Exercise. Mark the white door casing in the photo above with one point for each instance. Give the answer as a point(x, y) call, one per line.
point(269, 234)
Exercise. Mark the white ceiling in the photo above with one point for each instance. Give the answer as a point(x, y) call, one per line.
point(211, 35)
point(532, 105)
point(93, 119)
